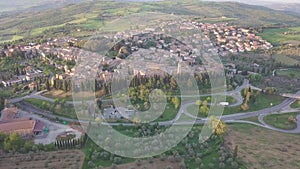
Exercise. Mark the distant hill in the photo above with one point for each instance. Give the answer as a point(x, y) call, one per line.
point(20, 5)
point(292, 7)
point(105, 15)
point(286, 6)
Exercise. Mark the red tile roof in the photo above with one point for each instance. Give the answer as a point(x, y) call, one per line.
point(9, 114)
point(22, 127)
point(39, 126)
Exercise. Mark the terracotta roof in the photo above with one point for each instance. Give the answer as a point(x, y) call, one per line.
point(9, 114)
point(39, 126)
point(20, 127)
point(17, 119)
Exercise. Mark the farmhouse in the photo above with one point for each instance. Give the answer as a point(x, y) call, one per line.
point(27, 128)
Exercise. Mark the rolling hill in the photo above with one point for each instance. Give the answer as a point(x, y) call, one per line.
point(89, 17)
point(36, 5)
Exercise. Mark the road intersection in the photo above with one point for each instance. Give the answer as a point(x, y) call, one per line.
point(233, 118)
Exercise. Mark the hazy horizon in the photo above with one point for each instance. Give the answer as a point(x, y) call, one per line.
point(260, 2)
point(13, 5)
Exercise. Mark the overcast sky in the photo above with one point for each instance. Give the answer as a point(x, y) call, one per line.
point(262, 1)
point(35, 1)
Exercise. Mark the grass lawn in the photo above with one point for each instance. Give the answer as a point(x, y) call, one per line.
point(262, 101)
point(281, 120)
point(11, 38)
point(295, 105)
point(16, 37)
point(92, 24)
point(230, 100)
point(54, 94)
point(193, 109)
point(285, 60)
point(279, 36)
point(38, 31)
point(61, 110)
point(215, 20)
point(169, 113)
point(292, 73)
point(252, 119)
point(264, 148)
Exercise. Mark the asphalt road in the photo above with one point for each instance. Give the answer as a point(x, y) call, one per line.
point(183, 110)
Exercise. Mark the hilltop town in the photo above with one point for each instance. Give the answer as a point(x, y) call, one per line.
point(62, 53)
point(201, 84)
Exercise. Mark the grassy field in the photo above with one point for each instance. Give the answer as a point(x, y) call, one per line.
point(216, 20)
point(61, 110)
point(208, 152)
point(89, 16)
point(252, 119)
point(54, 94)
point(281, 120)
point(169, 113)
point(17, 37)
point(279, 36)
point(286, 60)
point(263, 148)
point(38, 31)
point(262, 101)
point(296, 104)
point(291, 73)
point(59, 94)
point(193, 108)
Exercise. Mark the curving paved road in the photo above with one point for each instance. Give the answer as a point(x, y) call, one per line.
point(296, 130)
point(233, 118)
point(234, 93)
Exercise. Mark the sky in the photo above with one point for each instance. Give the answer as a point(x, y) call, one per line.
point(39, 1)
point(262, 1)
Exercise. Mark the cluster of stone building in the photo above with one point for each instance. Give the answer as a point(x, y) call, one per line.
point(31, 74)
point(233, 39)
point(118, 113)
point(218, 38)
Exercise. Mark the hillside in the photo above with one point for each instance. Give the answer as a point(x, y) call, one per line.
point(90, 16)
point(29, 5)
point(295, 8)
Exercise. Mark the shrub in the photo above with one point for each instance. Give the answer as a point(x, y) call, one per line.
point(221, 165)
point(198, 160)
point(117, 160)
point(211, 165)
point(169, 167)
point(138, 162)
